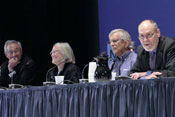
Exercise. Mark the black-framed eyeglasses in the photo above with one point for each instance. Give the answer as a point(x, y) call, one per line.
point(113, 41)
point(13, 51)
point(147, 36)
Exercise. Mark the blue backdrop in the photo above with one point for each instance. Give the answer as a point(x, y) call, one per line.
point(127, 14)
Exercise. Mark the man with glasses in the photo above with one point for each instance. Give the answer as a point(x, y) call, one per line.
point(156, 55)
point(17, 69)
point(120, 42)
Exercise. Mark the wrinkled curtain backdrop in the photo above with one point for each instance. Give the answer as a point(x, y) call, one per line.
point(129, 98)
point(38, 24)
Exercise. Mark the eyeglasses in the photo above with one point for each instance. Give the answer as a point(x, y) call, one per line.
point(113, 41)
point(54, 52)
point(147, 36)
point(11, 52)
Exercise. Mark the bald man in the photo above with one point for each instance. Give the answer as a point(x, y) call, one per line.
point(156, 55)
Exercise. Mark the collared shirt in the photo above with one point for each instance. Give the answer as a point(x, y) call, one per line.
point(152, 63)
point(123, 64)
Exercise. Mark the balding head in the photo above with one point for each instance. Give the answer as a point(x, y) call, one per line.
point(147, 25)
point(149, 34)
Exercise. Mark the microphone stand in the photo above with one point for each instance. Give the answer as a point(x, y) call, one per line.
point(12, 85)
point(68, 81)
point(83, 70)
point(83, 80)
point(48, 82)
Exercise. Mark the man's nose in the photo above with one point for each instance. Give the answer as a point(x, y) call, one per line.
point(14, 54)
point(111, 43)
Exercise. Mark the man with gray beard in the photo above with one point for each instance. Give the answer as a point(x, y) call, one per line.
point(156, 55)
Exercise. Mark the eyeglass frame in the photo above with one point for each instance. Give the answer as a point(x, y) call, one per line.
point(54, 52)
point(15, 51)
point(147, 36)
point(114, 41)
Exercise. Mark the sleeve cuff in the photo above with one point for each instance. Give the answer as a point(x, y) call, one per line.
point(12, 73)
point(147, 73)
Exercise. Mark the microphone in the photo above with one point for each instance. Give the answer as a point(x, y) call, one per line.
point(61, 61)
point(123, 78)
point(82, 75)
point(11, 76)
point(84, 69)
point(95, 59)
point(12, 85)
point(47, 80)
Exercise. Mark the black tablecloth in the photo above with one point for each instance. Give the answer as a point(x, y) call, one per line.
point(123, 98)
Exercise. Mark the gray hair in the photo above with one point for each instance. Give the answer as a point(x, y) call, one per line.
point(8, 42)
point(66, 51)
point(124, 35)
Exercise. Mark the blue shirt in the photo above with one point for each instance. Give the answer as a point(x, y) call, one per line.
point(123, 64)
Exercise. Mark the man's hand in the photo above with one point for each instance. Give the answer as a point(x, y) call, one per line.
point(12, 63)
point(153, 75)
point(137, 75)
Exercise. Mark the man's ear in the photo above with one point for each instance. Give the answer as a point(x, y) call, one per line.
point(158, 32)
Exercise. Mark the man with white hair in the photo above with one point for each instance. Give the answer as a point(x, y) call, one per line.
point(18, 69)
point(120, 42)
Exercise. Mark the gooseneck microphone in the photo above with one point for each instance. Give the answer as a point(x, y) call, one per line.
point(48, 82)
point(61, 61)
point(68, 81)
point(84, 69)
point(47, 78)
point(12, 85)
point(82, 75)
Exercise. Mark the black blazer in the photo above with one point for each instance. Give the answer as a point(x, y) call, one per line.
point(165, 58)
point(25, 73)
point(71, 73)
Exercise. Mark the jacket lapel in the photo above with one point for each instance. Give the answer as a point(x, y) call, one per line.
point(159, 55)
point(146, 60)
point(158, 59)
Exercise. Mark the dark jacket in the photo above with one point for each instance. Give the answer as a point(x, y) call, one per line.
point(25, 73)
point(71, 73)
point(165, 58)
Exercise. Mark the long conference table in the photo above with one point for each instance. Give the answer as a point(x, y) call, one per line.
point(121, 98)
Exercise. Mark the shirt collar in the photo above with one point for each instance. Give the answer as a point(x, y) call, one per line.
point(124, 55)
point(154, 51)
